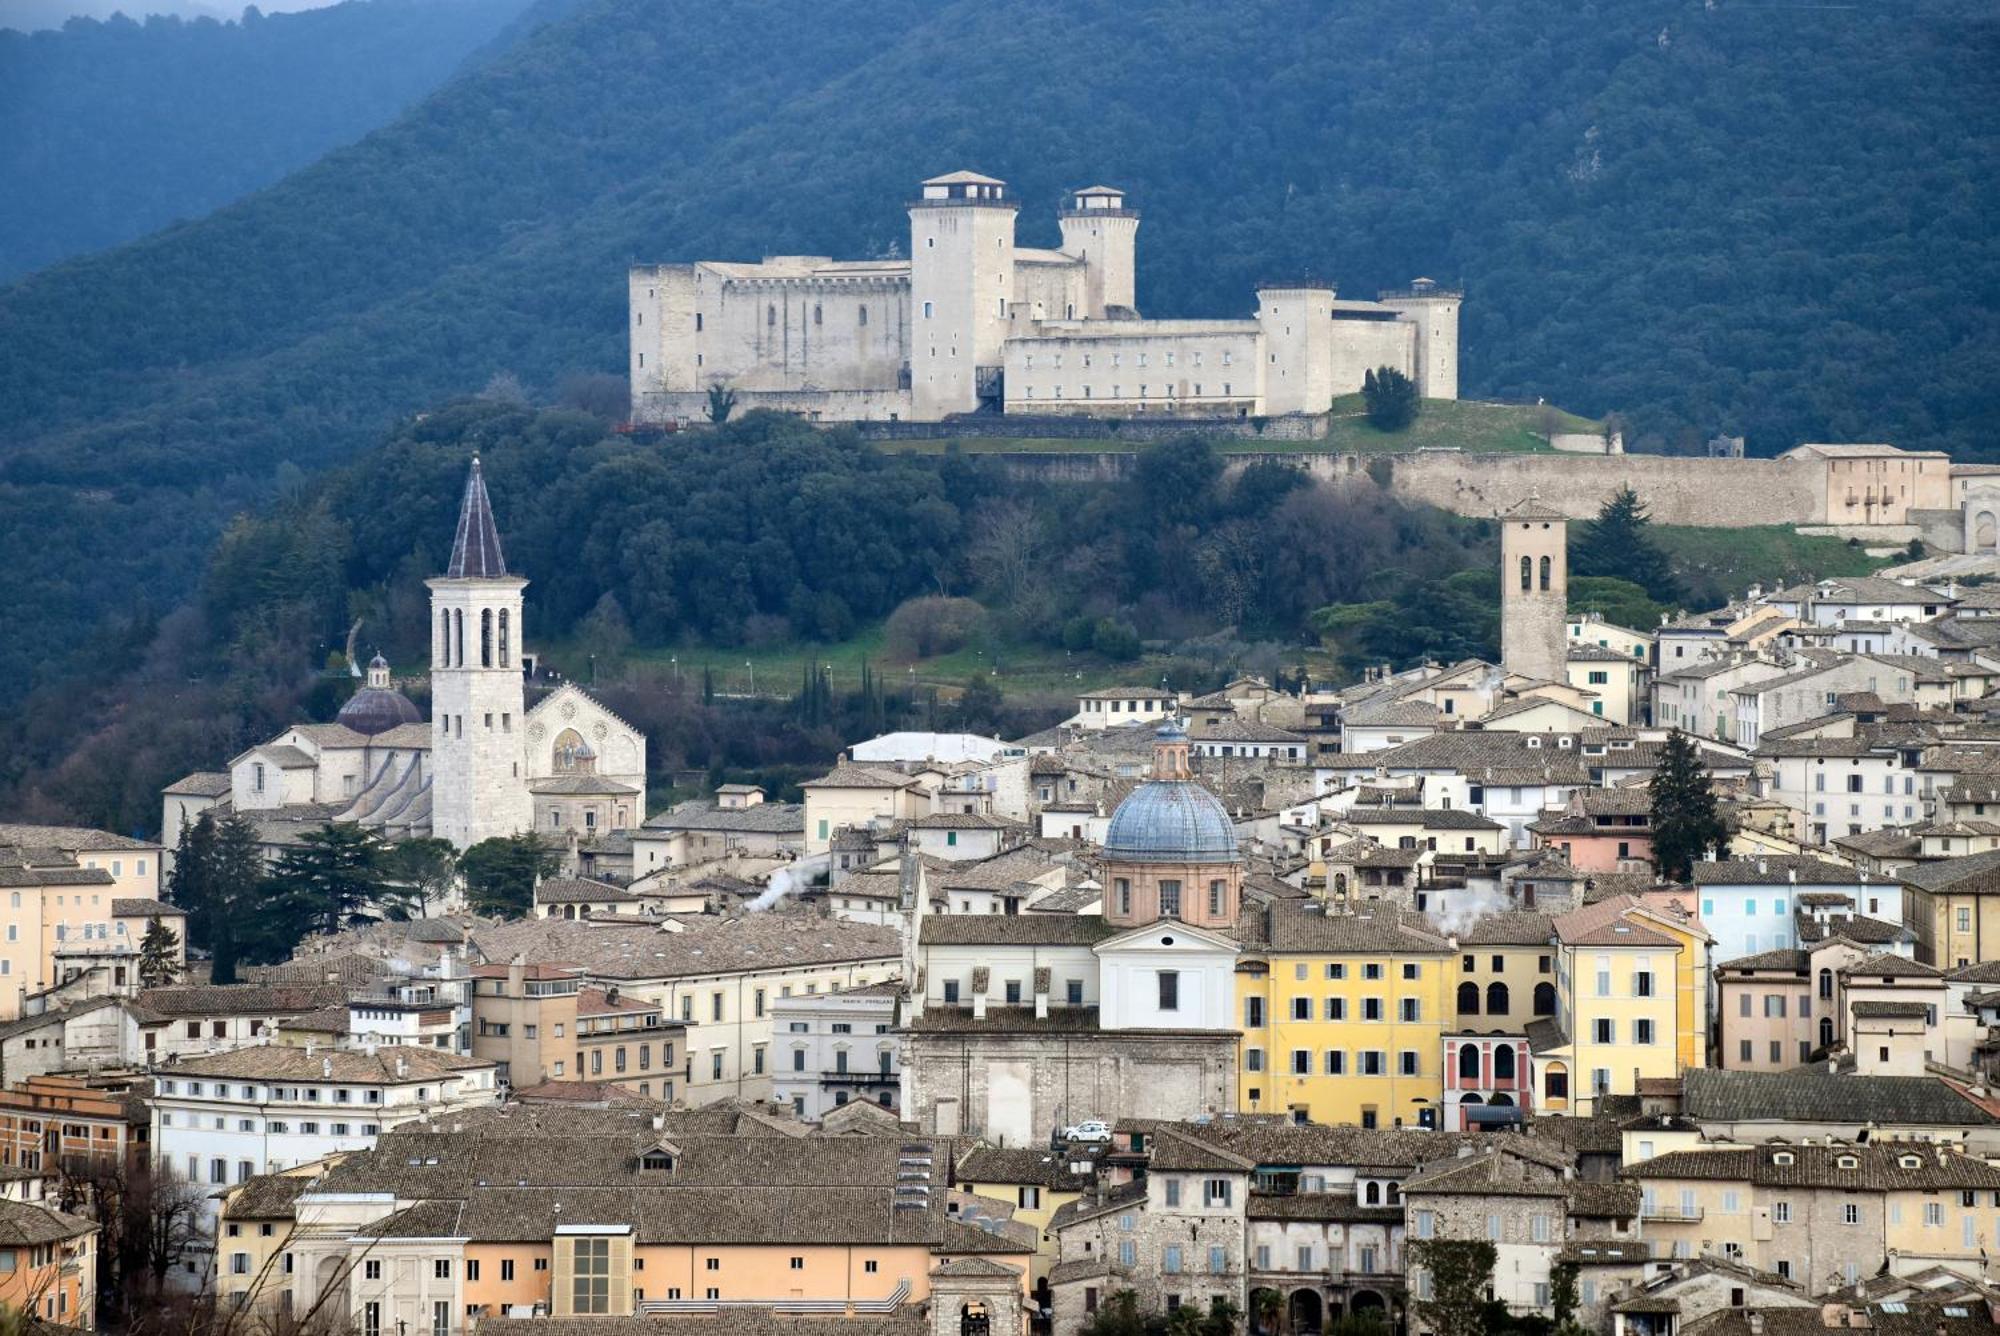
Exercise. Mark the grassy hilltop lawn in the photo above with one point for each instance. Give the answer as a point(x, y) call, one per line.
point(1457, 424)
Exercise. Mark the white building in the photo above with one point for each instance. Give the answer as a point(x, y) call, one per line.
point(223, 1118)
point(835, 1047)
point(971, 319)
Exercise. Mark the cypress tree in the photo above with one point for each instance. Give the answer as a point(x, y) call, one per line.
point(1686, 824)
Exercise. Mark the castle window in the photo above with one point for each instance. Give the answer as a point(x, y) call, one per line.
point(458, 634)
point(642, 359)
point(1545, 575)
point(486, 637)
point(697, 322)
point(1527, 575)
point(816, 314)
point(444, 639)
point(642, 318)
point(503, 637)
point(864, 315)
point(771, 314)
point(927, 315)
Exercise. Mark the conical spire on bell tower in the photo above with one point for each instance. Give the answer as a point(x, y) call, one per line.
point(475, 550)
point(478, 785)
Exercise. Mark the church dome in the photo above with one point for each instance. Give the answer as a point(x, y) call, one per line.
point(1171, 819)
point(378, 706)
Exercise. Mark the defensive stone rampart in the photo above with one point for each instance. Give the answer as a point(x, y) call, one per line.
point(1709, 493)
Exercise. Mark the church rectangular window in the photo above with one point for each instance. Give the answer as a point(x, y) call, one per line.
point(1170, 899)
point(862, 313)
point(1170, 990)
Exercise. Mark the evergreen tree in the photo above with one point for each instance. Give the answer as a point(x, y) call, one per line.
point(331, 877)
point(721, 403)
point(1459, 1271)
point(1686, 825)
point(417, 873)
point(1391, 398)
point(218, 879)
point(158, 954)
point(500, 874)
point(1619, 543)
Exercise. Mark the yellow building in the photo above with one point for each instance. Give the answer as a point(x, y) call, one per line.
point(859, 796)
point(1343, 1015)
point(255, 1227)
point(1953, 906)
point(75, 899)
point(1632, 1003)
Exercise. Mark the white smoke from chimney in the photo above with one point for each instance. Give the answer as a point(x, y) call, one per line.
point(789, 880)
point(1457, 909)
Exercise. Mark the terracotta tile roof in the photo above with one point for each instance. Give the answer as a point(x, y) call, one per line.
point(1815, 1095)
point(281, 1062)
point(1916, 1166)
point(241, 999)
point(705, 944)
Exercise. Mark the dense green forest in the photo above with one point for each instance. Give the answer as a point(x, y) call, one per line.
point(764, 529)
point(1698, 213)
point(119, 128)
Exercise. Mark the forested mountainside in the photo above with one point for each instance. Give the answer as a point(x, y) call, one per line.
point(117, 128)
point(1703, 215)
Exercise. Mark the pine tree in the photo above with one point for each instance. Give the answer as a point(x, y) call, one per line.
point(500, 874)
point(331, 876)
point(218, 879)
point(1619, 543)
point(1686, 824)
point(159, 952)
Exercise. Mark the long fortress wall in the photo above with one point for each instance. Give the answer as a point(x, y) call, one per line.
point(1710, 493)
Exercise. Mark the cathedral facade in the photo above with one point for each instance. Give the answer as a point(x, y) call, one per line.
point(484, 765)
point(971, 321)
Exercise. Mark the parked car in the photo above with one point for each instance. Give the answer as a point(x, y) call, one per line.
point(1093, 1129)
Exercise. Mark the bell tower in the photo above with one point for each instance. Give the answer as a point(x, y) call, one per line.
point(479, 783)
point(1534, 591)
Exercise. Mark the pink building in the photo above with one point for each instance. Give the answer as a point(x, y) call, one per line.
point(1601, 830)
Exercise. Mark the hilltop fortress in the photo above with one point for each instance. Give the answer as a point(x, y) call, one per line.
point(972, 322)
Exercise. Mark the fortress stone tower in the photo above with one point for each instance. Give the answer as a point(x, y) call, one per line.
point(1098, 229)
point(477, 759)
point(1534, 591)
point(961, 279)
point(1434, 311)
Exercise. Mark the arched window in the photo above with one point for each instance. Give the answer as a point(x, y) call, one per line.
point(444, 639)
point(486, 637)
point(1496, 999)
point(1468, 1062)
point(1374, 1197)
point(816, 314)
point(864, 316)
point(1545, 999)
point(458, 636)
point(771, 314)
point(1826, 1032)
point(1545, 574)
point(1468, 999)
point(503, 637)
point(1395, 1193)
point(1527, 575)
point(1503, 1063)
point(1826, 985)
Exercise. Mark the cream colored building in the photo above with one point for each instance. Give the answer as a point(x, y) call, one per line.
point(74, 900)
point(974, 320)
point(1534, 590)
point(859, 796)
point(1876, 484)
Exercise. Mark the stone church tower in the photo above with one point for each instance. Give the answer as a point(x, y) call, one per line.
point(1534, 591)
point(961, 279)
point(478, 778)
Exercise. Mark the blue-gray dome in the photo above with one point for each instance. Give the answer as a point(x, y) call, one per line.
point(1170, 821)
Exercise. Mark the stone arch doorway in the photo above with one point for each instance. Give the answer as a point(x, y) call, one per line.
point(1305, 1314)
point(1985, 532)
point(974, 1319)
point(326, 1275)
point(1368, 1306)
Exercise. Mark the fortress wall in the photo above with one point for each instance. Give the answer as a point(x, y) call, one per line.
point(1710, 493)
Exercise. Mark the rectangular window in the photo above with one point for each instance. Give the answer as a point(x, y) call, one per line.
point(1170, 990)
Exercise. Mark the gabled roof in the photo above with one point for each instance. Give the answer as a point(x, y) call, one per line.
point(1532, 508)
point(1815, 1095)
point(847, 775)
point(1774, 870)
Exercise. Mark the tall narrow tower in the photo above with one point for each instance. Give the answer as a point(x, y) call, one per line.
point(1103, 233)
point(479, 785)
point(1434, 310)
point(961, 279)
point(1534, 590)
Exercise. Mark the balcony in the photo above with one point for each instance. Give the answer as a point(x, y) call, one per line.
point(1671, 1215)
point(861, 1077)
